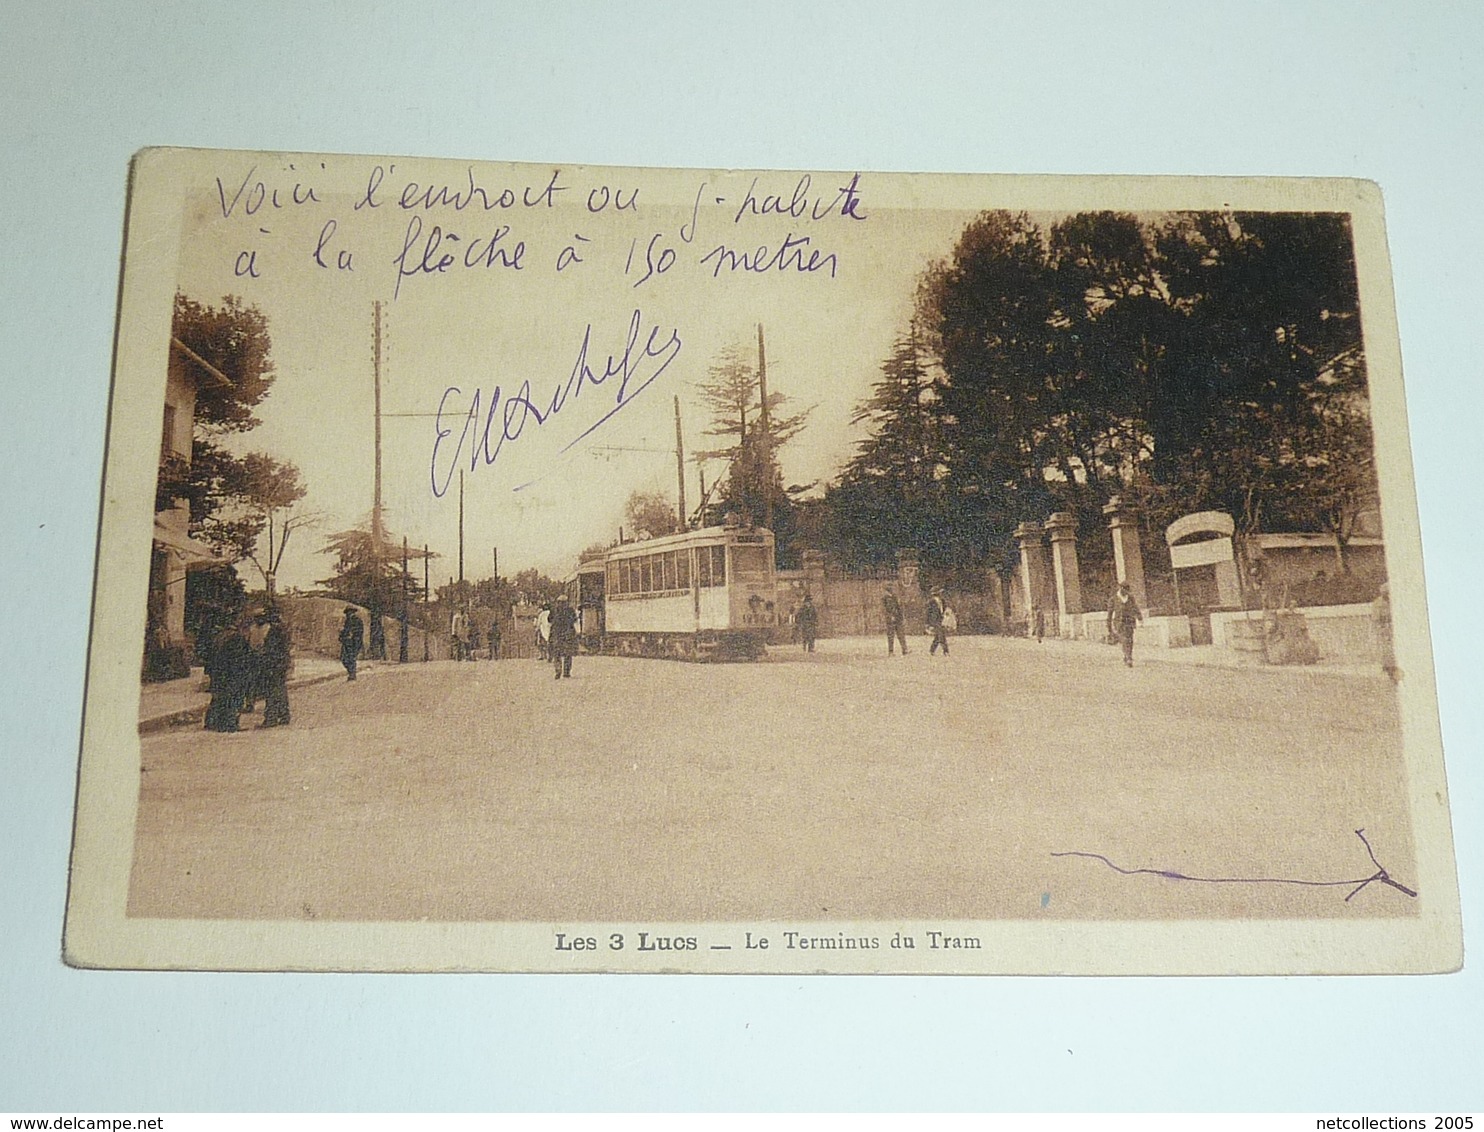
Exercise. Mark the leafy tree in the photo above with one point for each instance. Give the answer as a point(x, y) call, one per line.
point(371, 576)
point(649, 515)
point(753, 482)
point(234, 339)
point(274, 489)
point(1193, 360)
point(536, 586)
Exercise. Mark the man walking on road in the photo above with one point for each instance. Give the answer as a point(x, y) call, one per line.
point(352, 638)
point(937, 609)
point(563, 635)
point(1123, 618)
point(895, 632)
point(808, 623)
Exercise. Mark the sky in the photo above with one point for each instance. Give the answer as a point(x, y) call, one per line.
point(473, 304)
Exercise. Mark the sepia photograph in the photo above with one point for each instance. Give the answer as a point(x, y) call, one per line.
point(515, 567)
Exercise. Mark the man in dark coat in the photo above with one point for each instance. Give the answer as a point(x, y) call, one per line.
point(1123, 619)
point(352, 638)
point(495, 636)
point(808, 623)
point(273, 671)
point(563, 641)
point(892, 609)
point(230, 674)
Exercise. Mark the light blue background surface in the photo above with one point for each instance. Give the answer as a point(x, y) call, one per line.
point(1387, 92)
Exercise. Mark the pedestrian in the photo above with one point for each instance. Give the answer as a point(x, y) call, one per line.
point(808, 619)
point(468, 636)
point(230, 664)
point(1038, 623)
point(352, 637)
point(252, 677)
point(273, 670)
point(895, 629)
point(457, 631)
point(563, 635)
point(543, 632)
point(937, 617)
point(1381, 620)
point(495, 634)
point(1123, 617)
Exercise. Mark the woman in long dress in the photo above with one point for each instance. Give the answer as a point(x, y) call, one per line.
point(231, 660)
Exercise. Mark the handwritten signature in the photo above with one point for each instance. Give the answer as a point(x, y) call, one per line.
point(492, 420)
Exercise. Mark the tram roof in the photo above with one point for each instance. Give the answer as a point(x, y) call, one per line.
point(703, 537)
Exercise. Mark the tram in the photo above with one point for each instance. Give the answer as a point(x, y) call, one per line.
point(585, 592)
point(698, 595)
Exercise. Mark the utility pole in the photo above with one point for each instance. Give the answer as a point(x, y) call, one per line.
point(767, 456)
point(680, 465)
point(402, 640)
point(378, 636)
point(461, 535)
point(427, 625)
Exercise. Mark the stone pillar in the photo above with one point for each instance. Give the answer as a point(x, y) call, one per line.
point(1128, 559)
point(1061, 528)
point(1032, 566)
point(814, 574)
point(1228, 588)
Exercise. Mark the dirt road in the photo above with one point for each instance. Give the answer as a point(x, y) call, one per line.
point(841, 786)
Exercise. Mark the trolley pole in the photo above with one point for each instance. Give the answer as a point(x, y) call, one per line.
point(767, 460)
point(402, 639)
point(680, 465)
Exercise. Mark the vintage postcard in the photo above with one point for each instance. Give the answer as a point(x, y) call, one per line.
point(516, 567)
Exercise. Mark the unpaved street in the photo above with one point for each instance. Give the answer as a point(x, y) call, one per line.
point(841, 786)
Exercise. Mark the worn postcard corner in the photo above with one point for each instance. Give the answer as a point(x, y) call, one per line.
point(545, 568)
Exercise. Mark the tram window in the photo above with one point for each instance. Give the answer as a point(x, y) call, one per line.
point(669, 570)
point(647, 574)
point(682, 569)
point(719, 565)
point(610, 578)
point(750, 562)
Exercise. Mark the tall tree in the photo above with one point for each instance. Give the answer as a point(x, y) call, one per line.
point(753, 477)
point(274, 490)
point(233, 338)
point(649, 514)
point(366, 576)
point(892, 493)
point(1186, 357)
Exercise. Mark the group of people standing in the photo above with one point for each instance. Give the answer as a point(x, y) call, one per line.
point(248, 661)
point(463, 637)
